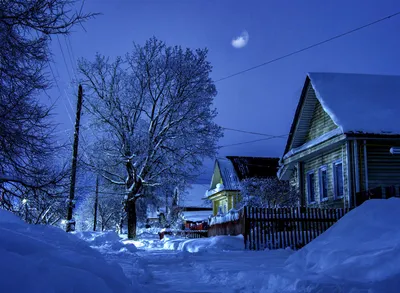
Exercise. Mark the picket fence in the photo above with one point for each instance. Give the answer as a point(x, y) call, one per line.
point(275, 228)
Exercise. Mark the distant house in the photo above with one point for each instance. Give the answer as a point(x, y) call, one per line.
point(189, 205)
point(229, 172)
point(340, 139)
point(194, 210)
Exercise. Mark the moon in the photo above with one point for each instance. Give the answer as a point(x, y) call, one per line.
point(241, 41)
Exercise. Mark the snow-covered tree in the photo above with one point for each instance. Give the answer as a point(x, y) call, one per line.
point(27, 147)
point(267, 193)
point(153, 112)
point(108, 210)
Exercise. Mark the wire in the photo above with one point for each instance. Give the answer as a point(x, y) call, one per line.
point(309, 47)
point(70, 55)
point(250, 132)
point(65, 61)
point(252, 141)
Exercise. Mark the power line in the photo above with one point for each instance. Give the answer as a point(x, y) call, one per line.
point(252, 141)
point(309, 47)
point(62, 53)
point(249, 132)
point(70, 55)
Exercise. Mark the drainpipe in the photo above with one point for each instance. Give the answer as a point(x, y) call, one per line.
point(349, 181)
point(356, 166)
point(366, 165)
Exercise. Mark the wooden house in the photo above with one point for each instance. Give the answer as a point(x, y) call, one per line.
point(194, 210)
point(224, 192)
point(340, 139)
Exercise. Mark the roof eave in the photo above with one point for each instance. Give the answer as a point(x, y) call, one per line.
point(297, 113)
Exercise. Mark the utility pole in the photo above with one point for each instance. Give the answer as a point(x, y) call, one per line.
point(71, 202)
point(96, 203)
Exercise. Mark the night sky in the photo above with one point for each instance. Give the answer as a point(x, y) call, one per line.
point(263, 100)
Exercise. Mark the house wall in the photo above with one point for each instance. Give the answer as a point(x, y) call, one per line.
point(216, 178)
point(320, 122)
point(383, 167)
point(325, 159)
point(224, 198)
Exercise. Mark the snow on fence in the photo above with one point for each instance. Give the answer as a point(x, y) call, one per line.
point(232, 215)
point(183, 233)
point(267, 228)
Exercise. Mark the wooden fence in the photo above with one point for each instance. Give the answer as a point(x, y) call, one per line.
point(184, 233)
point(232, 228)
point(266, 228)
point(380, 192)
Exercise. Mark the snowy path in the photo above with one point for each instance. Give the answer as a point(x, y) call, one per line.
point(176, 271)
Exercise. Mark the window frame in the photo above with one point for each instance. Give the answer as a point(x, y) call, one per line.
point(334, 175)
point(320, 170)
point(309, 185)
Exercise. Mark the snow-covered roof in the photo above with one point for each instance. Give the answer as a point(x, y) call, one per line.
point(228, 174)
point(360, 102)
point(193, 197)
point(196, 216)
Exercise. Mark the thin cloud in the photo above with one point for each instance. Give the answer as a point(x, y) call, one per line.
point(241, 41)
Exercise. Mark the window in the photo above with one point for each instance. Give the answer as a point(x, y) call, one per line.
point(323, 183)
point(310, 187)
point(338, 179)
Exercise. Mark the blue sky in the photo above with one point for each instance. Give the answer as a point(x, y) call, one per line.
point(263, 100)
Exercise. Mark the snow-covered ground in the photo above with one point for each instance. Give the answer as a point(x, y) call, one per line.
point(45, 259)
point(217, 264)
point(360, 253)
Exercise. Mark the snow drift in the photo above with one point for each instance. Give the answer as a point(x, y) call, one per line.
point(362, 248)
point(212, 244)
point(44, 259)
point(109, 241)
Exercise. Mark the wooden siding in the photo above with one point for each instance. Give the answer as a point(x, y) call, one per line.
point(312, 122)
point(325, 146)
point(383, 167)
point(216, 178)
point(320, 122)
point(325, 159)
point(303, 121)
point(361, 164)
point(223, 198)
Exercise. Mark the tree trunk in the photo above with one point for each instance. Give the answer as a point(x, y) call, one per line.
point(96, 203)
point(131, 217)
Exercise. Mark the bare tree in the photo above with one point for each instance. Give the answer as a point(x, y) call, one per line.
point(108, 210)
point(26, 141)
point(153, 110)
point(268, 193)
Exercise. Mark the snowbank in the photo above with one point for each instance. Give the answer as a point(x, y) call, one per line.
point(232, 215)
point(362, 248)
point(212, 244)
point(109, 241)
point(44, 259)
